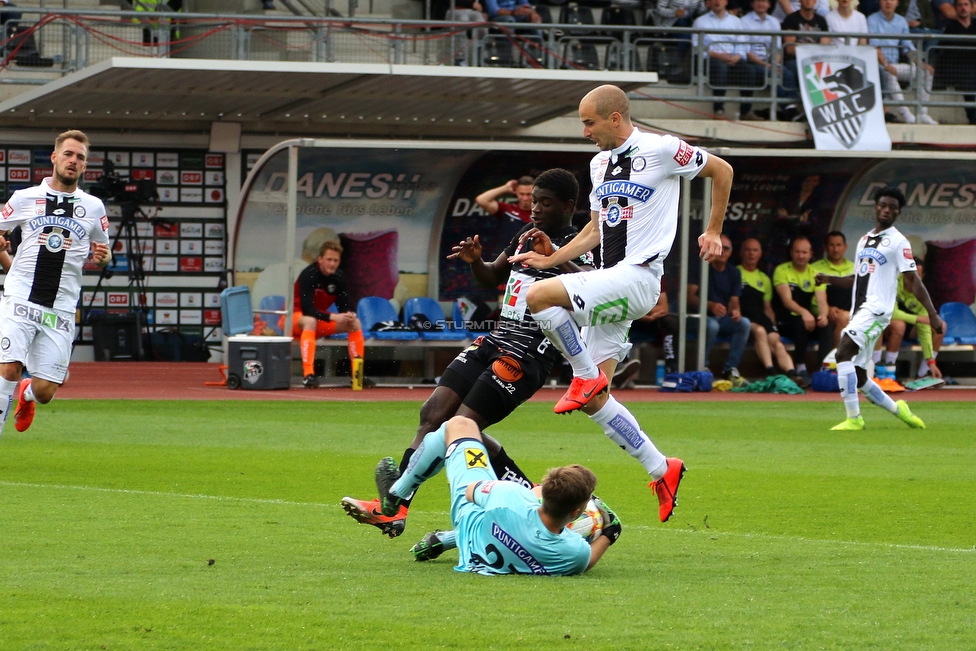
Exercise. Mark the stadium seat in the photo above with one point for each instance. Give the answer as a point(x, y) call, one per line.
point(960, 323)
point(271, 304)
point(372, 310)
point(432, 310)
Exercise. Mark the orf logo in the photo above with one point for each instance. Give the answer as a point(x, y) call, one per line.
point(840, 94)
point(253, 370)
point(507, 369)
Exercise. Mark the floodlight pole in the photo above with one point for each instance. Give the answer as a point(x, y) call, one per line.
point(291, 221)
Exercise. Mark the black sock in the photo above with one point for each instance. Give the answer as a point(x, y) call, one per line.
point(507, 470)
point(770, 370)
point(407, 454)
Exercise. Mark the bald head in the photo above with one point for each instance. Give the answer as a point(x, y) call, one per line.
point(605, 114)
point(606, 100)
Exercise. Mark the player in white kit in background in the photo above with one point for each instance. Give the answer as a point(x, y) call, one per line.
point(882, 255)
point(61, 225)
point(634, 217)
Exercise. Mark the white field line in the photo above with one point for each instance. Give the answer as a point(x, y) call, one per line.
point(700, 531)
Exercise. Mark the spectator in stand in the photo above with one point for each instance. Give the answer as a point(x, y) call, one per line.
point(511, 11)
point(945, 12)
point(10, 16)
point(956, 67)
point(805, 19)
point(465, 11)
point(911, 319)
point(676, 13)
point(920, 16)
point(836, 264)
point(758, 52)
point(784, 8)
point(724, 311)
point(757, 306)
point(845, 18)
point(726, 56)
point(887, 23)
point(516, 212)
point(799, 307)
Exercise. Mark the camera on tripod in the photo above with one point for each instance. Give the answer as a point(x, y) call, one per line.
point(112, 187)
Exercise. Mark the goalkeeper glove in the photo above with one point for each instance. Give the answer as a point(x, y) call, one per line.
point(611, 523)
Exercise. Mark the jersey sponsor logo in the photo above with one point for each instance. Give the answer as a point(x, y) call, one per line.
point(486, 486)
point(567, 335)
point(104, 222)
point(624, 189)
point(37, 315)
point(908, 254)
point(475, 458)
point(874, 254)
point(60, 222)
point(516, 548)
point(7, 210)
point(638, 164)
point(611, 311)
point(866, 267)
point(79, 211)
point(685, 151)
point(614, 213)
point(507, 368)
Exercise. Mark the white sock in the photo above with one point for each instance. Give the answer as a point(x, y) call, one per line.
point(874, 393)
point(28, 393)
point(890, 357)
point(6, 400)
point(559, 326)
point(624, 430)
point(876, 357)
point(847, 378)
point(923, 368)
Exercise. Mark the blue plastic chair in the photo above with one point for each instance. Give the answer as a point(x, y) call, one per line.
point(236, 315)
point(432, 310)
point(960, 323)
point(373, 309)
point(272, 303)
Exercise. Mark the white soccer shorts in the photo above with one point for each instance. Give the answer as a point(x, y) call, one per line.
point(606, 301)
point(38, 337)
point(864, 329)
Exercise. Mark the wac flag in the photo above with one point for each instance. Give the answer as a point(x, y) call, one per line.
point(841, 92)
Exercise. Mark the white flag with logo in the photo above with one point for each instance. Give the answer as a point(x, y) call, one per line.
point(841, 91)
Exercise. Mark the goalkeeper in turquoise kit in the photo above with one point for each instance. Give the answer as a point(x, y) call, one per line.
point(500, 526)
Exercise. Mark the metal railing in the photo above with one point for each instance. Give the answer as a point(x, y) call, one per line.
point(48, 44)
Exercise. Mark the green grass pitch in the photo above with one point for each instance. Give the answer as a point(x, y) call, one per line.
point(787, 535)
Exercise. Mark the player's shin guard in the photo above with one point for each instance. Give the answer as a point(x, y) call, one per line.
point(847, 379)
point(426, 462)
point(561, 330)
point(507, 470)
point(307, 347)
point(875, 394)
point(357, 344)
point(6, 400)
point(623, 429)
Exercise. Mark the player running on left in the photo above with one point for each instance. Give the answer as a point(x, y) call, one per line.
point(61, 225)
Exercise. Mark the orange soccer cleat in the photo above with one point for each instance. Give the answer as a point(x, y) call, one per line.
point(370, 513)
point(580, 392)
point(25, 410)
point(667, 487)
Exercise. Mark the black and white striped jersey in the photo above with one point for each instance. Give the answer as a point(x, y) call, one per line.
point(636, 190)
point(880, 259)
point(58, 230)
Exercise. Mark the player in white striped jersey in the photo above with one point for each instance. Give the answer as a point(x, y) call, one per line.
point(61, 224)
point(882, 255)
point(633, 216)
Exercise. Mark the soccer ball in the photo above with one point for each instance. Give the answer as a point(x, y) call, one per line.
point(589, 524)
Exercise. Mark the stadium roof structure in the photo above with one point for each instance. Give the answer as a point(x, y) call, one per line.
point(311, 99)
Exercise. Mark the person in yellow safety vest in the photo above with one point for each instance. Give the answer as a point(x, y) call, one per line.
point(150, 35)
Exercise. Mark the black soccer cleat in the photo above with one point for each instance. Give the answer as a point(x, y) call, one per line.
point(387, 473)
point(310, 382)
point(429, 548)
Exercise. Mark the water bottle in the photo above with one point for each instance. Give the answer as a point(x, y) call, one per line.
point(659, 375)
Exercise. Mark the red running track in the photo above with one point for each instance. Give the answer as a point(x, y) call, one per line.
point(187, 381)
